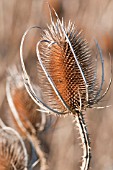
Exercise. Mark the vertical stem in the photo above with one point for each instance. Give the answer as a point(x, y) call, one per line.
point(85, 141)
point(41, 154)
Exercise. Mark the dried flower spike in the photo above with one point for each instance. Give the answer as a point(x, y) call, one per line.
point(68, 71)
point(68, 75)
point(16, 92)
point(70, 68)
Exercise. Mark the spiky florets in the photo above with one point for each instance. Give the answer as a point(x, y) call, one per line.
point(12, 155)
point(66, 57)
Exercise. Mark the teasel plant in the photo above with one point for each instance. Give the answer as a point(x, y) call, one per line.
point(26, 114)
point(13, 153)
point(67, 73)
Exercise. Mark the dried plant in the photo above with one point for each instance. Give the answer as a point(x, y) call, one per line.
point(28, 120)
point(13, 154)
point(68, 76)
point(15, 89)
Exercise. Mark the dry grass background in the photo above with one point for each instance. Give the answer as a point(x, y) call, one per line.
point(60, 135)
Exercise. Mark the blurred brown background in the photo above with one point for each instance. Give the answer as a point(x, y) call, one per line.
point(95, 18)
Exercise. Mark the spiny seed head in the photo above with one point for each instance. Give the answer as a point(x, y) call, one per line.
point(23, 104)
point(12, 155)
point(66, 56)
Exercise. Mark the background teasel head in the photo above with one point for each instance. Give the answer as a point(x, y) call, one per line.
point(15, 92)
point(13, 154)
point(27, 118)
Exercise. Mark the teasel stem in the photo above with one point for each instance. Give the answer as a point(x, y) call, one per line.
point(80, 123)
point(31, 136)
point(35, 141)
point(83, 132)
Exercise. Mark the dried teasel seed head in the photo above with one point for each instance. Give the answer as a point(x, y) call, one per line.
point(67, 74)
point(67, 70)
point(69, 66)
point(19, 100)
point(13, 153)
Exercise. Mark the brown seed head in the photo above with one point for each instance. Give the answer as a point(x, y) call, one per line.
point(69, 77)
point(67, 69)
point(24, 105)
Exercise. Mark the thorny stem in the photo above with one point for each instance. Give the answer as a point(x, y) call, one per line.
point(85, 141)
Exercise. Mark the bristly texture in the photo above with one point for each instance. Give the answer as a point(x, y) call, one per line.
point(58, 60)
point(12, 154)
point(70, 67)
